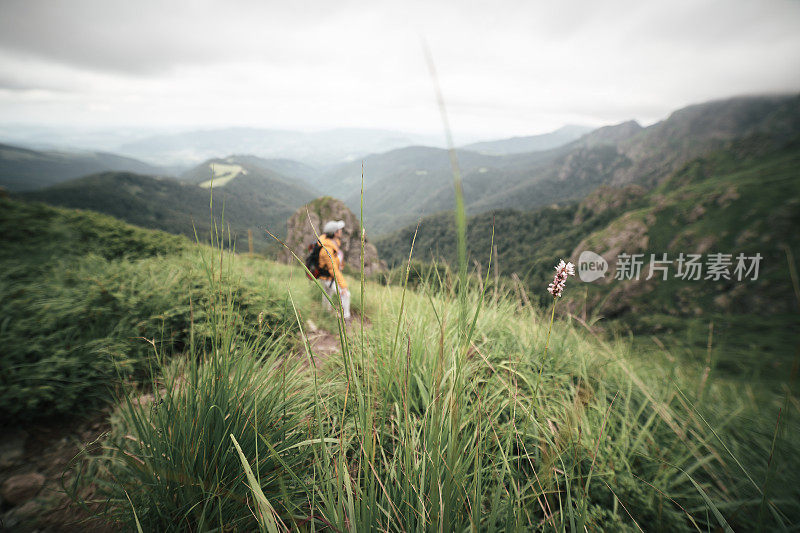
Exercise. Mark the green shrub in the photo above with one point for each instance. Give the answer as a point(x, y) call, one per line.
point(171, 456)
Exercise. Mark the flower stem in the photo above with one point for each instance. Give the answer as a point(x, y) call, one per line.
point(546, 344)
point(550, 328)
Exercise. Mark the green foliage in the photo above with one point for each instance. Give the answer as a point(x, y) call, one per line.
point(82, 325)
point(526, 242)
point(84, 302)
point(249, 203)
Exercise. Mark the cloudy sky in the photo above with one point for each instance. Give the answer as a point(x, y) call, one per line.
point(505, 67)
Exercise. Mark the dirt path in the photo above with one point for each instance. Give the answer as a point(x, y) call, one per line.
point(32, 462)
point(324, 343)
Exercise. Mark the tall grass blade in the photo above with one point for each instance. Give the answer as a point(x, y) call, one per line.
point(267, 518)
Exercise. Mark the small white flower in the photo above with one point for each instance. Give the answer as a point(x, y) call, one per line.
point(556, 288)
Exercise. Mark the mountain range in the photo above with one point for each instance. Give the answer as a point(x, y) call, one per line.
point(404, 184)
point(742, 198)
point(253, 198)
point(22, 169)
point(530, 143)
point(268, 189)
point(318, 148)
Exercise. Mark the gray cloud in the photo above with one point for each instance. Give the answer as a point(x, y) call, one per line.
point(151, 36)
point(512, 67)
point(10, 83)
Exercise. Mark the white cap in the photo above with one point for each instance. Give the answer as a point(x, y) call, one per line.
point(332, 226)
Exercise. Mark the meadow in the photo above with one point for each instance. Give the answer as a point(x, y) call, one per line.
point(448, 407)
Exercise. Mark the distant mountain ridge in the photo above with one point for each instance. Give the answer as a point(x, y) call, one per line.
point(612, 134)
point(621, 154)
point(691, 131)
point(530, 143)
point(253, 200)
point(320, 147)
point(742, 198)
point(22, 169)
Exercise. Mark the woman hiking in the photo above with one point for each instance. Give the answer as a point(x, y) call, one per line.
point(331, 260)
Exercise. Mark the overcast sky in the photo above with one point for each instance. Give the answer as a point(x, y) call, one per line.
point(506, 68)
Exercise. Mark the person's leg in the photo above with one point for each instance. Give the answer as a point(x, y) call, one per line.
point(330, 290)
point(346, 303)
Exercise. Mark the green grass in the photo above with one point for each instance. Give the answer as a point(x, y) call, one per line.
point(737, 353)
point(418, 424)
point(396, 439)
point(85, 300)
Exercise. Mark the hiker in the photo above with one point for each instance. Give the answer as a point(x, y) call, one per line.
point(331, 260)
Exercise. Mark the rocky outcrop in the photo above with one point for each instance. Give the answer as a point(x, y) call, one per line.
point(307, 222)
point(21, 488)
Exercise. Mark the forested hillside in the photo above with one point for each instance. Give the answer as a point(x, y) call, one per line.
point(743, 200)
point(736, 200)
point(253, 198)
point(22, 169)
point(402, 186)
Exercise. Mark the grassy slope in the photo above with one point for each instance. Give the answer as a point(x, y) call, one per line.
point(407, 430)
point(588, 431)
point(81, 296)
point(721, 203)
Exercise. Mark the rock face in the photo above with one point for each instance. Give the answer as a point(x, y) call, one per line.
point(21, 488)
point(300, 233)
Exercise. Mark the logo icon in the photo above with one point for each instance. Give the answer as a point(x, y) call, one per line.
point(591, 266)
